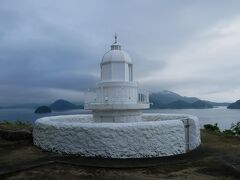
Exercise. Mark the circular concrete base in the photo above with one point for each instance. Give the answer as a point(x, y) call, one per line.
point(157, 135)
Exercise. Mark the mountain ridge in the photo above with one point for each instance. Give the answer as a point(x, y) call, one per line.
point(58, 105)
point(63, 105)
point(163, 99)
point(235, 105)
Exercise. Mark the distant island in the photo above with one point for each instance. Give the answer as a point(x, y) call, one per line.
point(63, 105)
point(170, 100)
point(180, 104)
point(58, 105)
point(43, 109)
point(235, 105)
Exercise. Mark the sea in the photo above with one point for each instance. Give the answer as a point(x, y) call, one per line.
point(221, 115)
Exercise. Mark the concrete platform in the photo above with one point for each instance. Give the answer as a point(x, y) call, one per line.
point(158, 135)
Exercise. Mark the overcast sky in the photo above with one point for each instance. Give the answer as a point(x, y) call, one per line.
point(51, 49)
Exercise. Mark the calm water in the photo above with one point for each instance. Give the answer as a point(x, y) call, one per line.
point(223, 116)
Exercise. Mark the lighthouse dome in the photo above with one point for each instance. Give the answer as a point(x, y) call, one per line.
point(116, 65)
point(116, 55)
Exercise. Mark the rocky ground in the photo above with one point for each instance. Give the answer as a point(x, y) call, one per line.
point(217, 158)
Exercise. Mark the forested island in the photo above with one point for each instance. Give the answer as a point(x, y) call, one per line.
point(235, 105)
point(170, 100)
point(58, 105)
point(43, 109)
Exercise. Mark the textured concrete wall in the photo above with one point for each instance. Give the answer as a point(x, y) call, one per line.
point(77, 134)
point(193, 134)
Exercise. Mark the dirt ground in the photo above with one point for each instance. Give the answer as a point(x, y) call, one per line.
point(217, 158)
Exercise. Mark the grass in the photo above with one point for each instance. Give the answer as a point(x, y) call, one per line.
point(16, 125)
point(217, 151)
point(219, 158)
point(233, 131)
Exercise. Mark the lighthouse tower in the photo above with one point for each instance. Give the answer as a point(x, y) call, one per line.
point(117, 97)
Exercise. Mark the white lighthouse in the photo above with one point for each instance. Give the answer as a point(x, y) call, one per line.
point(117, 97)
point(117, 128)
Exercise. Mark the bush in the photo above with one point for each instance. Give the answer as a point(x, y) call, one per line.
point(235, 128)
point(228, 132)
point(213, 128)
point(233, 131)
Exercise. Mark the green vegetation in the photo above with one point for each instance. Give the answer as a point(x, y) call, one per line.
point(15, 131)
point(16, 125)
point(218, 158)
point(233, 131)
point(235, 128)
point(212, 128)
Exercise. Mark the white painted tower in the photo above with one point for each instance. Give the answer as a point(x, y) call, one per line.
point(126, 133)
point(117, 97)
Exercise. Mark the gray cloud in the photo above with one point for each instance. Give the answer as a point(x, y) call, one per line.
point(52, 49)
